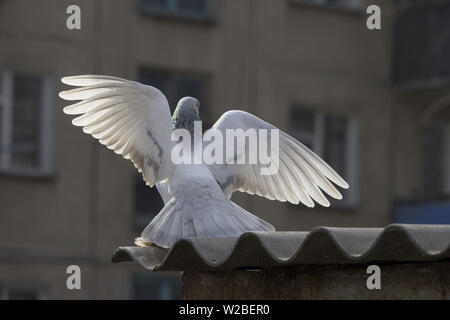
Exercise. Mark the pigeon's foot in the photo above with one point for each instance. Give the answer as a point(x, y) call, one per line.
point(140, 242)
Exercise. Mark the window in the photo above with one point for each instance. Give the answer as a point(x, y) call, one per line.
point(25, 106)
point(334, 138)
point(157, 287)
point(191, 9)
point(174, 86)
point(429, 204)
point(341, 4)
point(147, 202)
point(435, 147)
point(10, 293)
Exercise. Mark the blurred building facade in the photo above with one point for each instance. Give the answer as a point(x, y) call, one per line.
point(421, 76)
point(310, 67)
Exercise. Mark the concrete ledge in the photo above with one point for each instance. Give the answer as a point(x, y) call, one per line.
point(427, 280)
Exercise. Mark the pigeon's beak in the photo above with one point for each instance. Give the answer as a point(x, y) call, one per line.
point(197, 106)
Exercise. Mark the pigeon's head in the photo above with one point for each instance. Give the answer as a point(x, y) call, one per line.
point(186, 112)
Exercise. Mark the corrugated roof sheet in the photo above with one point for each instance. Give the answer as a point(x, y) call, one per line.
point(322, 245)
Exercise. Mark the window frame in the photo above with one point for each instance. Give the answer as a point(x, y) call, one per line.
point(45, 129)
point(317, 140)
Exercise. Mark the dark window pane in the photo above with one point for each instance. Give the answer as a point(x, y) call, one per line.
point(176, 86)
point(26, 121)
point(303, 126)
point(22, 295)
point(160, 80)
point(336, 3)
point(192, 6)
point(189, 87)
point(335, 143)
point(433, 161)
point(155, 287)
point(303, 120)
point(2, 147)
point(154, 78)
point(186, 8)
point(148, 202)
point(193, 87)
point(422, 44)
point(156, 4)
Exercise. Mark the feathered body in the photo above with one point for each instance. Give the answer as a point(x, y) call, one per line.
point(204, 211)
point(134, 121)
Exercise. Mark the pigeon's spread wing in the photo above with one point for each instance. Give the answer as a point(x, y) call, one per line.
point(301, 173)
point(130, 118)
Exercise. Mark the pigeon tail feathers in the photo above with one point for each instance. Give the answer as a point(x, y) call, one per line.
point(171, 224)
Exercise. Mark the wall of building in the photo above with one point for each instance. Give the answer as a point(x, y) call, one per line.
point(262, 56)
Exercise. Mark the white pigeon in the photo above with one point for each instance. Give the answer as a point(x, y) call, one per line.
point(134, 120)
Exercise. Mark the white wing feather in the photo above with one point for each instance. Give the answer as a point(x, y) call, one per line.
point(301, 177)
point(127, 117)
